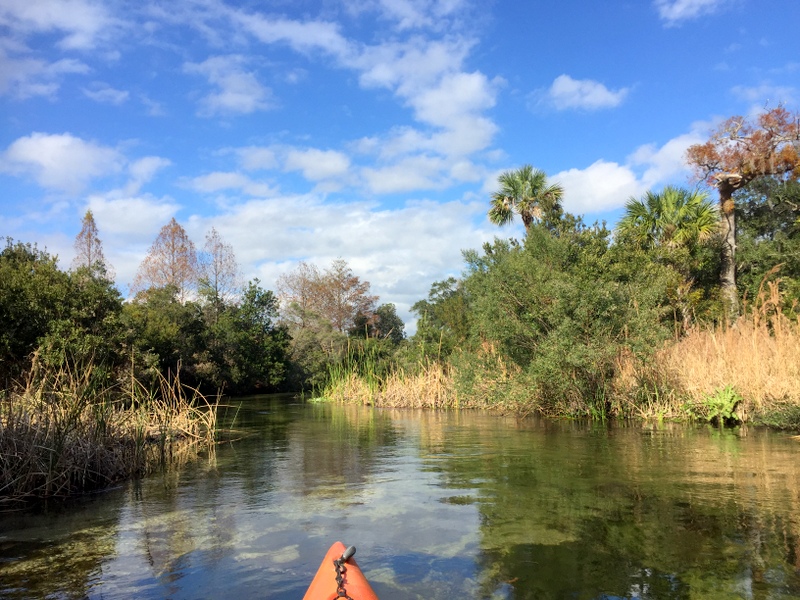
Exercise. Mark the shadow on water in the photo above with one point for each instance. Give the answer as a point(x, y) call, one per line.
point(440, 505)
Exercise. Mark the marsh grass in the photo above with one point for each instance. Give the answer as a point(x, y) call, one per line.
point(65, 433)
point(756, 360)
point(483, 381)
point(429, 386)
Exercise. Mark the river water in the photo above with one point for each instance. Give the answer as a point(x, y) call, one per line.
point(439, 504)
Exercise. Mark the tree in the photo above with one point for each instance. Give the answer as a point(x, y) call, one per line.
point(299, 291)
point(673, 218)
point(219, 272)
point(556, 309)
point(336, 295)
point(166, 333)
point(768, 237)
point(444, 318)
point(262, 347)
point(525, 191)
point(344, 296)
point(171, 261)
point(674, 223)
point(44, 308)
point(89, 250)
point(739, 151)
point(384, 324)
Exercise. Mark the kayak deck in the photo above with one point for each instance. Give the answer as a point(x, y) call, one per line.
point(324, 585)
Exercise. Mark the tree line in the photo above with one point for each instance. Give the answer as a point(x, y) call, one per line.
point(551, 315)
point(190, 310)
point(564, 319)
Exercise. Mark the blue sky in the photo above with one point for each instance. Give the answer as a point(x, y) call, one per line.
point(370, 130)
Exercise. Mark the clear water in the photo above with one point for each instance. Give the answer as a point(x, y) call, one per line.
point(439, 504)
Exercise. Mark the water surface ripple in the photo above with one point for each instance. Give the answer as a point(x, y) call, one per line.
point(439, 504)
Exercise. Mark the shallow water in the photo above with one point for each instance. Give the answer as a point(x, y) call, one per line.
point(439, 504)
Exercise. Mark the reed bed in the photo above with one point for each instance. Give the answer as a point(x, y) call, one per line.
point(429, 387)
point(63, 434)
point(755, 360)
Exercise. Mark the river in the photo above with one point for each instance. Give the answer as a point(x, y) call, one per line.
point(440, 505)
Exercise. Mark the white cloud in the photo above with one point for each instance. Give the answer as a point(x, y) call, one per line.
point(605, 186)
point(411, 66)
point(269, 239)
point(675, 11)
point(600, 187)
point(317, 164)
point(303, 37)
point(60, 161)
point(254, 158)
point(765, 96)
point(415, 14)
point(455, 97)
point(239, 90)
point(127, 227)
point(28, 77)
point(105, 94)
point(409, 174)
point(142, 171)
point(130, 217)
point(226, 180)
point(82, 22)
point(586, 94)
point(668, 162)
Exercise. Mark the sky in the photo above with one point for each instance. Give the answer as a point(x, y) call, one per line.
point(368, 130)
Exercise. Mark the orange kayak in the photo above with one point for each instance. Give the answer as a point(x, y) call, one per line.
point(325, 585)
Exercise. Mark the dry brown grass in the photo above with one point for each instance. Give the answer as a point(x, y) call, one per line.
point(430, 387)
point(61, 435)
point(757, 357)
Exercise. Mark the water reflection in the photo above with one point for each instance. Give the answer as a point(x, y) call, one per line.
point(440, 505)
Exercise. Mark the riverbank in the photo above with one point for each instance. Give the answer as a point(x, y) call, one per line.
point(746, 373)
point(62, 434)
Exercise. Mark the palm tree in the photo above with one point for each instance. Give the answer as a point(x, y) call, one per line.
point(525, 191)
point(673, 218)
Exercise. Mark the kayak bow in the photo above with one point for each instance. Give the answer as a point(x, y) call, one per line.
point(325, 585)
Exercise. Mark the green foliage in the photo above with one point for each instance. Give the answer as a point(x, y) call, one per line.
point(236, 347)
point(674, 217)
point(526, 191)
point(42, 306)
point(444, 319)
point(768, 229)
point(383, 324)
point(719, 407)
point(164, 332)
point(554, 308)
point(256, 348)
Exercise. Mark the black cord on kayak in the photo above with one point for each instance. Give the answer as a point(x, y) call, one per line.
point(338, 564)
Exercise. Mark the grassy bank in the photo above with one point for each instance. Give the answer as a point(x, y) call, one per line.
point(747, 373)
point(64, 434)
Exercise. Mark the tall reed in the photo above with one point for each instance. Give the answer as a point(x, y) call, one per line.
point(64, 433)
point(757, 358)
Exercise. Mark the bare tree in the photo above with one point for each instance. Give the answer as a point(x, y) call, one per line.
point(335, 295)
point(171, 261)
point(346, 296)
point(737, 152)
point(89, 249)
point(299, 292)
point(220, 277)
